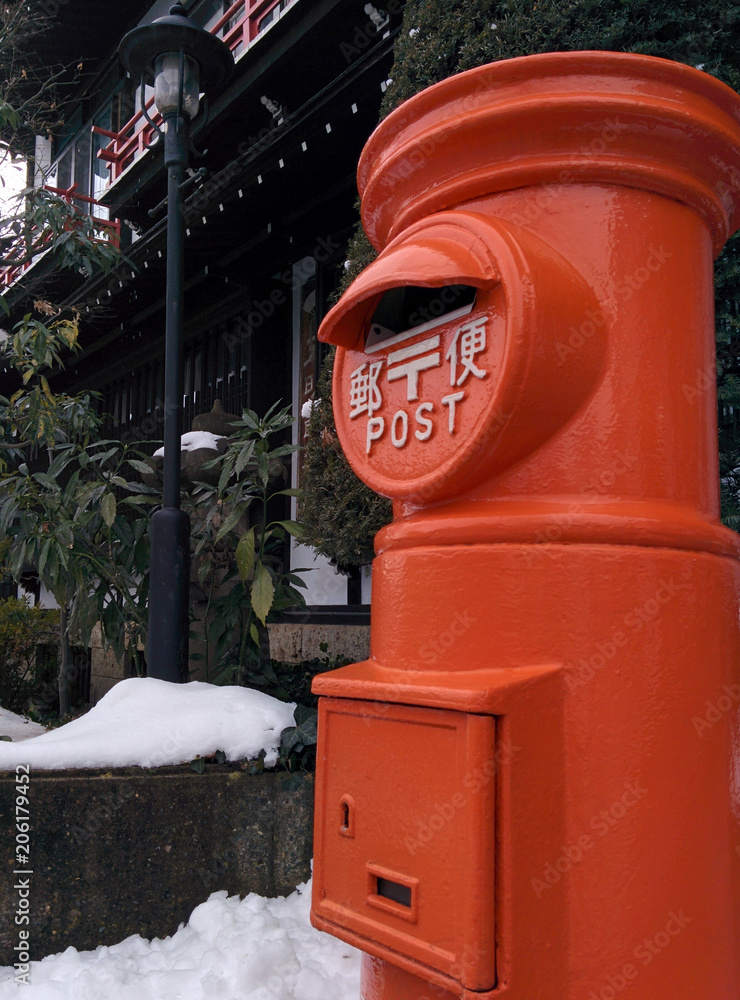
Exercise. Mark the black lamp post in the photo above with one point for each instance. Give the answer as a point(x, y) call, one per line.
point(181, 60)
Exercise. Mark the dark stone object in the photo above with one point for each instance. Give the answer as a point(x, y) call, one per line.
point(217, 421)
point(134, 851)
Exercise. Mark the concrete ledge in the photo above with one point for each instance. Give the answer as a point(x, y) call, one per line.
point(294, 643)
point(133, 851)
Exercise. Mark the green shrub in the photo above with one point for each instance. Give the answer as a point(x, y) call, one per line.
point(240, 544)
point(28, 651)
point(292, 682)
point(439, 39)
point(339, 514)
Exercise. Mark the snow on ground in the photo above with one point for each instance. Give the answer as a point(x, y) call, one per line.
point(253, 949)
point(18, 728)
point(147, 722)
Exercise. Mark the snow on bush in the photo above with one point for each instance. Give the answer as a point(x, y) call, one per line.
point(194, 440)
point(17, 727)
point(149, 723)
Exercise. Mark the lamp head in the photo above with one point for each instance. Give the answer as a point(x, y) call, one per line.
point(179, 59)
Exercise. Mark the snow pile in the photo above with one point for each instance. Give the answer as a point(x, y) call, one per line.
point(253, 949)
point(149, 723)
point(18, 728)
point(194, 440)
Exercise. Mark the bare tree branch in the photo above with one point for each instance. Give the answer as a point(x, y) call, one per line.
point(35, 92)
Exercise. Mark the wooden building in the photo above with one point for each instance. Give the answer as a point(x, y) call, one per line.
point(267, 225)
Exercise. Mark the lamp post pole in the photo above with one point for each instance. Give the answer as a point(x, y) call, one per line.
point(181, 60)
point(169, 566)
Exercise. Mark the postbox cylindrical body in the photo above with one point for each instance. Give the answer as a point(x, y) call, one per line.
point(532, 787)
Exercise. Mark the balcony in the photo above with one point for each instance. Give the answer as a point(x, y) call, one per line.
point(239, 26)
point(109, 230)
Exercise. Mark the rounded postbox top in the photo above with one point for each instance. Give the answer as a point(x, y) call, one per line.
point(557, 118)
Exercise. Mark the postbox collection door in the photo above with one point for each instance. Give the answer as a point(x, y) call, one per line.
point(405, 834)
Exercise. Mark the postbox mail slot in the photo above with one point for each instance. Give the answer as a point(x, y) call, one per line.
point(405, 311)
point(409, 866)
point(396, 891)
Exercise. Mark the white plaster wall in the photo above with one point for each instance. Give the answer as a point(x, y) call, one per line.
point(46, 598)
point(324, 584)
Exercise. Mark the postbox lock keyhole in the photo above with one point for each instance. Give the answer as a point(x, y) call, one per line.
point(347, 816)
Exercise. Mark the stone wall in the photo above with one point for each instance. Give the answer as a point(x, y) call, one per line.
point(289, 643)
point(134, 851)
point(105, 669)
point(294, 643)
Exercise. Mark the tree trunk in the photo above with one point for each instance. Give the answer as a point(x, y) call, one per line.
point(64, 664)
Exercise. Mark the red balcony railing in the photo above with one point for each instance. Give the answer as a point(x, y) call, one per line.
point(112, 228)
point(237, 27)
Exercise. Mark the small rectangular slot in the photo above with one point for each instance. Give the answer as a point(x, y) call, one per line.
point(394, 890)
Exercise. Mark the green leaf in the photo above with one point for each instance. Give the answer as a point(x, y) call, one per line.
point(4, 305)
point(231, 521)
point(287, 493)
point(65, 535)
point(47, 481)
point(143, 467)
point(292, 527)
point(102, 457)
point(45, 551)
point(245, 555)
point(262, 592)
point(61, 553)
point(254, 633)
point(108, 509)
point(111, 620)
point(148, 491)
point(249, 419)
point(284, 449)
point(224, 477)
point(125, 534)
point(245, 455)
point(61, 460)
point(303, 734)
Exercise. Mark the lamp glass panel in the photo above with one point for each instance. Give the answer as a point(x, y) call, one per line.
point(167, 84)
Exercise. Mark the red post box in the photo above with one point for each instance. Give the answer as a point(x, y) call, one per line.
point(532, 787)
